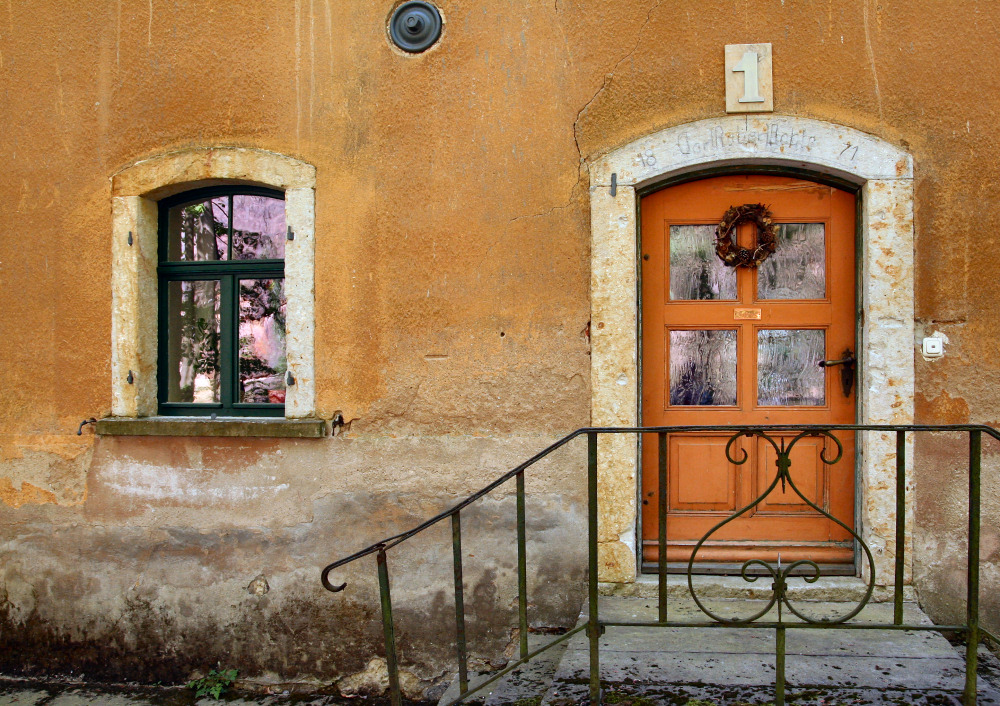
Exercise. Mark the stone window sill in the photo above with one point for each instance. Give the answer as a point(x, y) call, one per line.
point(204, 426)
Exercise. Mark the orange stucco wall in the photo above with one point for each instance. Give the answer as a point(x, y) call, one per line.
point(452, 251)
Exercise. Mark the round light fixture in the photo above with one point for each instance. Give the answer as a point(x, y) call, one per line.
point(415, 26)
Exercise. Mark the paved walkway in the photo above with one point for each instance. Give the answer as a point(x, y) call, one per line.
point(33, 694)
point(707, 666)
point(676, 666)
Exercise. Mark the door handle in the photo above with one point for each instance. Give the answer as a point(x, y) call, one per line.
point(847, 372)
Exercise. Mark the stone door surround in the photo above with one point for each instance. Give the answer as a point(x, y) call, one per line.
point(884, 174)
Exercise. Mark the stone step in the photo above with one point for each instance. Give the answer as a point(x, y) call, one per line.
point(730, 665)
point(828, 588)
point(522, 686)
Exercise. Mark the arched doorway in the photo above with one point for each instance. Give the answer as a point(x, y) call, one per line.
point(883, 175)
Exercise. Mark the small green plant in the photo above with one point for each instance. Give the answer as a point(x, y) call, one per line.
point(215, 684)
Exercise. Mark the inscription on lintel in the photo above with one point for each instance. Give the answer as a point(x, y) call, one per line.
point(772, 138)
point(784, 139)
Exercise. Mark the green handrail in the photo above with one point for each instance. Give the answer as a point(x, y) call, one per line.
point(595, 627)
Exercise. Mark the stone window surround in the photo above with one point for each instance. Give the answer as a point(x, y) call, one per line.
point(884, 174)
point(135, 191)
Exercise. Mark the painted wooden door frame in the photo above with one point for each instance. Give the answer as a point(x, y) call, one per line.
point(831, 312)
point(884, 175)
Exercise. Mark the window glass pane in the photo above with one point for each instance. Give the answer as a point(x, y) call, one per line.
point(787, 367)
point(193, 341)
point(262, 340)
point(703, 367)
point(695, 270)
point(199, 230)
point(258, 228)
point(797, 269)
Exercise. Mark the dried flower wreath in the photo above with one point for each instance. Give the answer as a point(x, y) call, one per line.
point(732, 254)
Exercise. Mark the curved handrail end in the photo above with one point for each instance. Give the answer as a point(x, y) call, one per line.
point(325, 579)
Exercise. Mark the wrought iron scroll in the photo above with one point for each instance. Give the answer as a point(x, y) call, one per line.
point(787, 437)
point(780, 574)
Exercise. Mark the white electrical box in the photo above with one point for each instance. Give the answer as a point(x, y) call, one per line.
point(933, 347)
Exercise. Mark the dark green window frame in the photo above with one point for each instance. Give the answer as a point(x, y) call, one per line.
point(227, 273)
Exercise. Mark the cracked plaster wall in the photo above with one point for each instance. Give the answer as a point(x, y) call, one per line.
point(452, 263)
point(192, 552)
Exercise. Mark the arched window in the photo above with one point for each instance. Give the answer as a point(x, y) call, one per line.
point(222, 302)
point(213, 237)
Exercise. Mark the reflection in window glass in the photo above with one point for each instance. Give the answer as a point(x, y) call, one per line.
point(199, 230)
point(787, 367)
point(193, 342)
point(703, 367)
point(262, 340)
point(258, 228)
point(797, 269)
point(695, 270)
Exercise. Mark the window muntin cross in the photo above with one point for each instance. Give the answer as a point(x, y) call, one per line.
point(222, 304)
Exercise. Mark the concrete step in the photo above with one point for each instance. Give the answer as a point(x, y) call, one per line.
point(649, 665)
point(833, 589)
point(522, 686)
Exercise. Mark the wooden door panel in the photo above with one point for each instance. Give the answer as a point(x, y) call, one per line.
point(714, 485)
point(808, 472)
point(781, 316)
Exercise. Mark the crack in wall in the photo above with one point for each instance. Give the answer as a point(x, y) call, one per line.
point(584, 167)
point(871, 59)
point(608, 78)
point(548, 211)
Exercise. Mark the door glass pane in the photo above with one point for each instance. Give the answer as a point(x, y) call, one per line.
point(199, 230)
point(703, 367)
point(787, 370)
point(797, 269)
point(258, 228)
point(193, 341)
point(262, 340)
point(695, 270)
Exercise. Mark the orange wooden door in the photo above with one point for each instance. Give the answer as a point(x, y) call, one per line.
point(726, 345)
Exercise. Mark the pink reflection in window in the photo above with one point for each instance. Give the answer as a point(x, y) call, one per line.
point(258, 228)
point(262, 364)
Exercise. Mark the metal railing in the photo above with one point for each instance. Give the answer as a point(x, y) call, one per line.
point(809, 571)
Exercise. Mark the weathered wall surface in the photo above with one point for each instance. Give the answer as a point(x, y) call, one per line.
point(452, 275)
point(192, 552)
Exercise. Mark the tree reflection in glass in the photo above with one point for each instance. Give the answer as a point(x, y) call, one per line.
point(262, 341)
point(199, 230)
point(696, 272)
point(258, 228)
point(193, 350)
point(787, 370)
point(703, 367)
